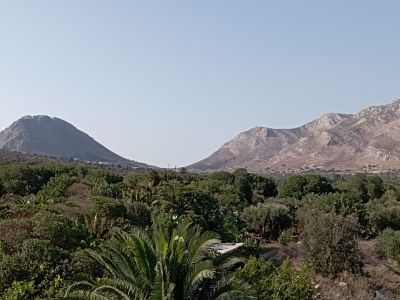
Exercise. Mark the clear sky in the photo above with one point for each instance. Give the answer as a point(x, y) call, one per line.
point(168, 82)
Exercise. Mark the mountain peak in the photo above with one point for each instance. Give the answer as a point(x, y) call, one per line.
point(327, 121)
point(51, 136)
point(369, 139)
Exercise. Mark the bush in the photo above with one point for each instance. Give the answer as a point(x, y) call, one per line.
point(383, 214)
point(24, 180)
point(388, 244)
point(11, 269)
point(285, 237)
point(83, 266)
point(55, 188)
point(298, 186)
point(106, 184)
point(268, 219)
point(330, 242)
point(110, 208)
point(364, 188)
point(288, 283)
point(19, 290)
point(242, 184)
point(339, 203)
point(2, 188)
point(271, 282)
point(257, 274)
point(57, 229)
point(13, 233)
point(262, 187)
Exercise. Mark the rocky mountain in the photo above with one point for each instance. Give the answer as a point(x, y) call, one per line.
point(48, 136)
point(366, 141)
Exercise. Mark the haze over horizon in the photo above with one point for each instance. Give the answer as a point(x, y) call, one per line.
point(167, 84)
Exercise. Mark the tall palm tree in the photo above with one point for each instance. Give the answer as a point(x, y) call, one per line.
point(165, 263)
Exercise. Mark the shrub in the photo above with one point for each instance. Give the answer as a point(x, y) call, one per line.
point(285, 237)
point(257, 274)
point(14, 232)
point(388, 244)
point(2, 188)
point(262, 187)
point(331, 245)
point(242, 184)
point(24, 180)
point(383, 214)
point(364, 188)
point(109, 208)
point(55, 188)
point(271, 282)
point(19, 290)
point(298, 186)
point(83, 266)
point(288, 283)
point(106, 184)
point(57, 229)
point(139, 212)
point(339, 203)
point(268, 219)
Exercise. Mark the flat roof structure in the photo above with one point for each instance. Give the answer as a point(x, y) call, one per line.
point(224, 248)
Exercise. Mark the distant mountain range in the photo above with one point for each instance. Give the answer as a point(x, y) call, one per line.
point(366, 141)
point(43, 135)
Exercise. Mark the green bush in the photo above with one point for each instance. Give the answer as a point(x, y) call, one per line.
point(106, 184)
point(12, 269)
point(110, 208)
point(383, 214)
point(365, 187)
point(2, 188)
point(388, 244)
point(300, 185)
point(24, 179)
point(339, 203)
point(57, 229)
point(19, 290)
point(268, 219)
point(242, 184)
point(288, 283)
point(285, 237)
point(271, 282)
point(55, 188)
point(13, 232)
point(262, 187)
point(330, 242)
point(257, 273)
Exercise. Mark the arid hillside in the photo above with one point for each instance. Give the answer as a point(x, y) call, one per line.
point(366, 141)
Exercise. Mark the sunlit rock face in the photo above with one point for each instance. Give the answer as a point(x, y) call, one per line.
point(368, 139)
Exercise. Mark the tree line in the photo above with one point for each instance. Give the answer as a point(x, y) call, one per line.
point(72, 232)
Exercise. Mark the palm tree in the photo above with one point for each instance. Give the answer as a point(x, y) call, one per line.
point(165, 263)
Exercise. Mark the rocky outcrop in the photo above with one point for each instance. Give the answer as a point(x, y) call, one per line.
point(369, 140)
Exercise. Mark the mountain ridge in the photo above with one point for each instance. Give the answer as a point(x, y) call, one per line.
point(352, 142)
point(45, 135)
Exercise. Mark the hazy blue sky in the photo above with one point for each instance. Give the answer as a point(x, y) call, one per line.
point(167, 82)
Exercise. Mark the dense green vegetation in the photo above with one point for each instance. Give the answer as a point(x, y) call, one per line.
point(69, 231)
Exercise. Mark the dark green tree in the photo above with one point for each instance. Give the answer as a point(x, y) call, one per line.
point(242, 184)
point(298, 186)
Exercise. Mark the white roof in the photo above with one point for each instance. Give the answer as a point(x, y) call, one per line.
point(223, 248)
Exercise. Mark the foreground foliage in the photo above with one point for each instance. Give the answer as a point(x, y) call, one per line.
point(86, 231)
point(271, 282)
point(169, 262)
point(331, 245)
